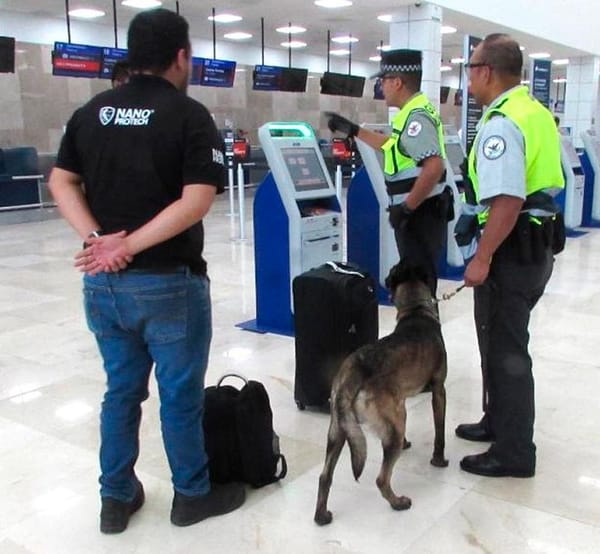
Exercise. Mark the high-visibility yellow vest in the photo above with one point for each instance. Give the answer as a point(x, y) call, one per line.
point(543, 171)
point(397, 164)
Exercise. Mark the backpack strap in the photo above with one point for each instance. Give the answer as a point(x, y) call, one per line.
point(339, 268)
point(239, 376)
point(283, 472)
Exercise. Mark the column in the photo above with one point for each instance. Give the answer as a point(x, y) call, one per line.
point(418, 27)
point(581, 96)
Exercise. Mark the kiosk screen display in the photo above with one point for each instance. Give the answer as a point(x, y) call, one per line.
point(305, 169)
point(266, 77)
point(7, 55)
point(110, 56)
point(444, 92)
point(293, 79)
point(212, 73)
point(342, 85)
point(76, 60)
point(378, 90)
point(455, 155)
point(272, 77)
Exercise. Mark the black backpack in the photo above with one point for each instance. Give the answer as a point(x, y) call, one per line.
point(239, 438)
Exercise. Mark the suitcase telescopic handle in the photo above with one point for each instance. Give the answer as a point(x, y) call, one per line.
point(339, 269)
point(232, 375)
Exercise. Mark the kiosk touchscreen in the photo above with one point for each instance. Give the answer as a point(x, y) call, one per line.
point(591, 197)
point(572, 198)
point(297, 221)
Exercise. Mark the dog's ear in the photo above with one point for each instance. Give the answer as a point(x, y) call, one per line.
point(393, 278)
point(405, 272)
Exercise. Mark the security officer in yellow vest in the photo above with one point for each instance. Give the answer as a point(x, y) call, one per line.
point(413, 161)
point(515, 170)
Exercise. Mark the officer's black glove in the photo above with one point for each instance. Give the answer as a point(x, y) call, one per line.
point(336, 122)
point(399, 215)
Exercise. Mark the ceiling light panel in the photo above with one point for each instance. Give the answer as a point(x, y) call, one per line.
point(86, 13)
point(291, 30)
point(141, 4)
point(294, 44)
point(339, 52)
point(333, 3)
point(344, 39)
point(238, 35)
point(225, 18)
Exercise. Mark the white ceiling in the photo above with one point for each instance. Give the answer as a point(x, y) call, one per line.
point(359, 20)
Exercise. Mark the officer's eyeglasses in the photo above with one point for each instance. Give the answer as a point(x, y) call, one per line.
point(470, 65)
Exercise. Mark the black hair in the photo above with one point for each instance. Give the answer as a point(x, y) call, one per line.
point(120, 71)
point(154, 38)
point(501, 52)
point(412, 80)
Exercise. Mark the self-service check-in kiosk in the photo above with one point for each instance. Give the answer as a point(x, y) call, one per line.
point(371, 242)
point(591, 165)
point(571, 199)
point(452, 263)
point(297, 221)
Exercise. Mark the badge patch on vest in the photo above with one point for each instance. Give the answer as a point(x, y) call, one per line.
point(494, 147)
point(414, 128)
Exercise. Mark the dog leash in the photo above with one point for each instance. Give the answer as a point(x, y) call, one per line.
point(448, 295)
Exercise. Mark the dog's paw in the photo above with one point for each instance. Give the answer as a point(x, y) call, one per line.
point(323, 518)
point(401, 503)
point(439, 462)
point(406, 444)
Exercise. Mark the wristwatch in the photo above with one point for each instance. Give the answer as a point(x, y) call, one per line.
point(94, 234)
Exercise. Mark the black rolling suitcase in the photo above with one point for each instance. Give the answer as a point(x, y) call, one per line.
point(335, 312)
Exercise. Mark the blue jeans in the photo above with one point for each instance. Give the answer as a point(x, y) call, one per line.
point(140, 319)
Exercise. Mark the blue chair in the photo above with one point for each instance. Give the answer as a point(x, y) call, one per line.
point(19, 178)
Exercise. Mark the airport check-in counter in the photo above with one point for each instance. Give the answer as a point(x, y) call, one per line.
point(571, 199)
point(297, 221)
point(591, 164)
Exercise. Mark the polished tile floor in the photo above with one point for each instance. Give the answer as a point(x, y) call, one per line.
point(51, 384)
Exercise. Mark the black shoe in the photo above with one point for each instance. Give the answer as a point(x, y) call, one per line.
point(477, 432)
point(488, 464)
point(221, 499)
point(114, 515)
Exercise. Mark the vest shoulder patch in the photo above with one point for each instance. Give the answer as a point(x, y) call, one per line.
point(494, 147)
point(414, 128)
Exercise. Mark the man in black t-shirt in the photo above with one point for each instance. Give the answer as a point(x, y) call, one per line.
point(152, 161)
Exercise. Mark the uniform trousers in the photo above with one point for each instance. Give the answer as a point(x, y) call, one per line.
point(503, 305)
point(422, 237)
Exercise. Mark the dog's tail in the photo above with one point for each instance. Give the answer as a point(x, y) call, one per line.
point(348, 420)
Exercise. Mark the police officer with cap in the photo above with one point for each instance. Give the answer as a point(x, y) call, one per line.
point(413, 161)
point(514, 167)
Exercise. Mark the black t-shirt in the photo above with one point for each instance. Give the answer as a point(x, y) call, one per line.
point(135, 148)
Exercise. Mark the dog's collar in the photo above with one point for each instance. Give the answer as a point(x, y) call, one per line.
point(427, 304)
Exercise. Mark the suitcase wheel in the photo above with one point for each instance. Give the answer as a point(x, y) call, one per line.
point(300, 405)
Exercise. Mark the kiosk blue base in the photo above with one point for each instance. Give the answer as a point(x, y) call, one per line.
point(362, 229)
point(271, 263)
point(587, 220)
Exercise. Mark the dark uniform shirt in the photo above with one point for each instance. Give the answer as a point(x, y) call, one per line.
point(135, 148)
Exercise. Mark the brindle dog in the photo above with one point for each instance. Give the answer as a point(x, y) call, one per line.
point(373, 383)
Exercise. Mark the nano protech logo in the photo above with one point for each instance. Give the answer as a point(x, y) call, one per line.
point(125, 117)
point(106, 115)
